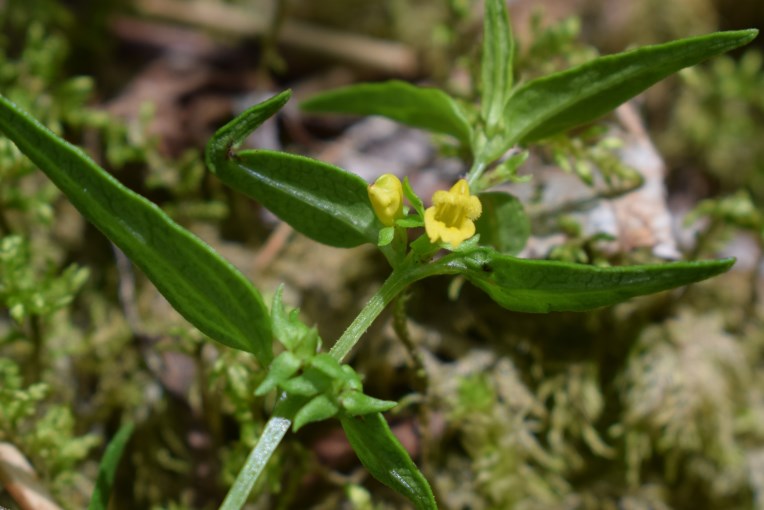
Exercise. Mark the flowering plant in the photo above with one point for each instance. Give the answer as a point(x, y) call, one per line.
point(464, 229)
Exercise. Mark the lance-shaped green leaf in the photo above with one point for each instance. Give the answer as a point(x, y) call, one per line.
point(319, 408)
point(204, 287)
point(322, 201)
point(421, 107)
point(496, 66)
point(284, 366)
point(561, 101)
point(356, 403)
point(543, 286)
point(386, 459)
point(107, 470)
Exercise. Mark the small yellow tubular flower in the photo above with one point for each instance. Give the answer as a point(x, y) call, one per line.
point(386, 197)
point(452, 215)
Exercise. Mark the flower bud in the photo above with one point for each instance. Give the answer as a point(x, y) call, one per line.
point(386, 196)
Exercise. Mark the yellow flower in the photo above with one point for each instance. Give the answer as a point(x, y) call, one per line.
point(386, 197)
point(451, 217)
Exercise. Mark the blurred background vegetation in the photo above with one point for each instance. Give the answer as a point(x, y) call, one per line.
point(653, 404)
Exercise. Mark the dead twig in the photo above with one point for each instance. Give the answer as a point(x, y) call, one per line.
point(385, 56)
point(18, 477)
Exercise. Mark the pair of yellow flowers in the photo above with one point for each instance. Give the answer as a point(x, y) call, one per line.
point(450, 219)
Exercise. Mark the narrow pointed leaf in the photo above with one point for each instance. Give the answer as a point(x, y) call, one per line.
point(561, 101)
point(205, 288)
point(288, 329)
point(107, 470)
point(421, 107)
point(496, 66)
point(416, 202)
point(324, 202)
point(542, 286)
point(356, 403)
point(318, 409)
point(328, 366)
point(284, 366)
point(309, 384)
point(386, 459)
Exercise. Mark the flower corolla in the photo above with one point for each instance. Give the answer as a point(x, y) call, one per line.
point(452, 215)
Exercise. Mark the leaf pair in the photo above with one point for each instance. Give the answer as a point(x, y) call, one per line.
point(521, 285)
point(534, 110)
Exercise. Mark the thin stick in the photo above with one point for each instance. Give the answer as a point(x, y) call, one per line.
point(386, 56)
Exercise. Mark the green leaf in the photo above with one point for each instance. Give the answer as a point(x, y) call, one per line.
point(386, 459)
point(320, 408)
point(496, 66)
point(416, 202)
point(201, 285)
point(386, 236)
point(350, 379)
point(328, 366)
point(503, 224)
point(309, 384)
point(421, 107)
point(288, 329)
point(284, 366)
point(558, 102)
point(542, 286)
point(107, 470)
point(410, 222)
point(322, 201)
point(356, 403)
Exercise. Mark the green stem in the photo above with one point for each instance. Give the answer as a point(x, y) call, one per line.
point(274, 432)
point(410, 271)
point(478, 167)
point(399, 279)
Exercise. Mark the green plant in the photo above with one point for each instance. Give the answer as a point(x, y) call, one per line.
point(107, 470)
point(49, 434)
point(56, 325)
point(337, 208)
